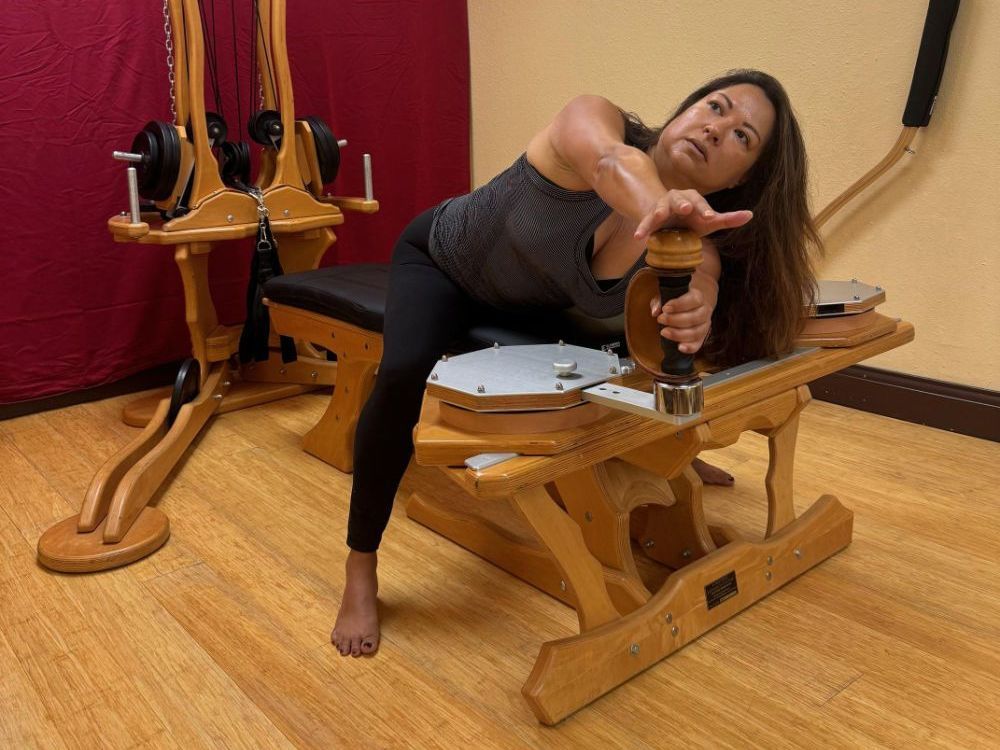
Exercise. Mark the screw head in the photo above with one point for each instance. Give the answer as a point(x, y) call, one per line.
point(217, 397)
point(282, 371)
point(562, 585)
point(798, 553)
point(588, 516)
point(673, 630)
point(649, 544)
point(496, 345)
point(444, 357)
point(670, 617)
point(686, 553)
point(481, 389)
point(634, 649)
point(562, 343)
point(613, 370)
point(229, 218)
point(434, 376)
point(559, 386)
point(286, 212)
point(770, 560)
point(314, 374)
point(768, 575)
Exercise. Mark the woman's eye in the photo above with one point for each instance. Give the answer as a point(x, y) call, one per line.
point(716, 106)
point(741, 134)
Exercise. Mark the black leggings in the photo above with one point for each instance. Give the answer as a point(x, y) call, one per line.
point(424, 313)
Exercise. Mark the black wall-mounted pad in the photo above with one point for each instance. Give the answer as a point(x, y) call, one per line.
point(930, 62)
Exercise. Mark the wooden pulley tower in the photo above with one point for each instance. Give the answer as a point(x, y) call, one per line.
point(198, 189)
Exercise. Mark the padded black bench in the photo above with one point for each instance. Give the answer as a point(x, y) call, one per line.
point(341, 308)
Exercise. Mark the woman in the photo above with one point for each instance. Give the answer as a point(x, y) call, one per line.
point(566, 225)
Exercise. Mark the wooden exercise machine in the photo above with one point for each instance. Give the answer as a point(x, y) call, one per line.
point(196, 205)
point(592, 460)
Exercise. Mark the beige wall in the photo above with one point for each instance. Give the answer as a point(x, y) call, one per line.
point(928, 231)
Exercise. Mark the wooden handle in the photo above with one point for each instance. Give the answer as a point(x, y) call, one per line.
point(673, 249)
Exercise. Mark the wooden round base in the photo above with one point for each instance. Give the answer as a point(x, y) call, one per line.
point(65, 549)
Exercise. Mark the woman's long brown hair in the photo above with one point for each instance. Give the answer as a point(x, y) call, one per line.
point(767, 275)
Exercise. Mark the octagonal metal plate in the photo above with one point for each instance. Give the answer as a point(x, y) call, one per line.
point(845, 298)
point(528, 370)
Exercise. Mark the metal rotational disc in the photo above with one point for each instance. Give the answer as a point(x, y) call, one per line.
point(186, 388)
point(235, 165)
point(217, 128)
point(265, 127)
point(327, 150)
point(160, 148)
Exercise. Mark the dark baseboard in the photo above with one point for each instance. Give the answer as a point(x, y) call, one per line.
point(155, 377)
point(947, 406)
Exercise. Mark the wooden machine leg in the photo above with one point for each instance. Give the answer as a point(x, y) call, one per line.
point(116, 525)
point(678, 534)
point(781, 450)
point(572, 672)
point(565, 541)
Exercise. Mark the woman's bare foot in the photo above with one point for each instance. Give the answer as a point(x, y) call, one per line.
point(356, 629)
point(712, 474)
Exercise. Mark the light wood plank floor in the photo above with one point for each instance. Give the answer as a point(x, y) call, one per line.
point(220, 639)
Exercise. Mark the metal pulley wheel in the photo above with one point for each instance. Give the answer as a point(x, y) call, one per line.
point(235, 163)
point(186, 388)
point(327, 149)
point(265, 127)
point(160, 148)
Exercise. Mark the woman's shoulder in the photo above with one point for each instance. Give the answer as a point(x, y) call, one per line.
point(586, 124)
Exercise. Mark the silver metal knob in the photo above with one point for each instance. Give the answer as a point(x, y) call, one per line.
point(564, 367)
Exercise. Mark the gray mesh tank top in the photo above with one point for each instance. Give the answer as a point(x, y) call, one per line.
point(520, 241)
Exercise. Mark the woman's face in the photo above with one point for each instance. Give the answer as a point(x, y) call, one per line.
point(713, 144)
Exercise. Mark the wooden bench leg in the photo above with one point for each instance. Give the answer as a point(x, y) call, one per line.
point(332, 438)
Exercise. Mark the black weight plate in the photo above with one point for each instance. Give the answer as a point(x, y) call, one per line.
point(217, 129)
point(160, 148)
point(235, 166)
point(327, 149)
point(186, 388)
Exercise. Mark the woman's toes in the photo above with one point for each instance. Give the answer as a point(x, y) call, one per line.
point(368, 646)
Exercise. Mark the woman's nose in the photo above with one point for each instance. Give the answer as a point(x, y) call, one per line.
point(712, 132)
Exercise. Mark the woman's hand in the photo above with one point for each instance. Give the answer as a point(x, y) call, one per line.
point(687, 208)
point(686, 319)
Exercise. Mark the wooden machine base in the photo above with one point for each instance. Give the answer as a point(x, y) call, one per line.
point(65, 549)
point(582, 511)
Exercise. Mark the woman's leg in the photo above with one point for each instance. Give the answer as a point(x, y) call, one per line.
point(425, 312)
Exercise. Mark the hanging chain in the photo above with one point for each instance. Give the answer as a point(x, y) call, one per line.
point(169, 44)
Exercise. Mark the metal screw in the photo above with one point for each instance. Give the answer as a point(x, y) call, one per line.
point(434, 376)
point(123, 213)
point(679, 434)
point(857, 297)
point(313, 374)
point(614, 370)
point(562, 585)
point(770, 560)
point(588, 516)
point(496, 345)
point(798, 553)
point(226, 383)
point(559, 386)
point(878, 289)
point(649, 544)
point(481, 389)
point(561, 342)
point(444, 357)
point(767, 575)
point(634, 649)
point(686, 553)
point(282, 371)
point(854, 281)
point(286, 212)
point(673, 630)
point(217, 397)
point(670, 617)
point(229, 218)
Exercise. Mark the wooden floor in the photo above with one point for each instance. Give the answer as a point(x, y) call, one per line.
point(220, 639)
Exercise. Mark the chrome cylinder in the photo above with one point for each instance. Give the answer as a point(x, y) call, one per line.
point(133, 195)
point(679, 399)
point(369, 190)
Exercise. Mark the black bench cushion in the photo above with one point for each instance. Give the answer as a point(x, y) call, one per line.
point(355, 294)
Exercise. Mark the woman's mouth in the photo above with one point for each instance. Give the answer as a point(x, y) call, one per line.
point(699, 148)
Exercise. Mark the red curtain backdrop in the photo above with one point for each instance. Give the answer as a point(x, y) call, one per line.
point(79, 79)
